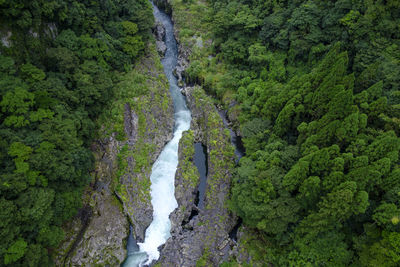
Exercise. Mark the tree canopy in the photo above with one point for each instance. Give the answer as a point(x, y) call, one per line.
point(314, 89)
point(58, 70)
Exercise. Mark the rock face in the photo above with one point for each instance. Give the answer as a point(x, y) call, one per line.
point(205, 236)
point(104, 240)
point(239, 251)
point(159, 32)
point(184, 51)
point(98, 234)
point(120, 193)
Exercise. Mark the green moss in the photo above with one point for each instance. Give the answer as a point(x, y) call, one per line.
point(203, 261)
point(141, 155)
point(190, 173)
point(230, 264)
point(183, 208)
point(122, 192)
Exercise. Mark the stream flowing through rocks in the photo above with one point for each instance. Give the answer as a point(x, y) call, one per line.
point(163, 171)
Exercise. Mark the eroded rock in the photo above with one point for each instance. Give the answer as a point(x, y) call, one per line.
point(161, 48)
point(159, 32)
point(99, 232)
point(104, 240)
point(206, 234)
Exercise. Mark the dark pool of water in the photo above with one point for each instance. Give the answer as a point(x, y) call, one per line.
point(132, 244)
point(200, 160)
point(233, 233)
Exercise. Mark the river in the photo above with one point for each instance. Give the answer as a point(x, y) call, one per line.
point(163, 171)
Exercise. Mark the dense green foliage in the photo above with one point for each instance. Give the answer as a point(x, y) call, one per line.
point(322, 168)
point(55, 79)
point(317, 90)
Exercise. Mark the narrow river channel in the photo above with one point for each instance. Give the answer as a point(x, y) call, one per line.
point(163, 171)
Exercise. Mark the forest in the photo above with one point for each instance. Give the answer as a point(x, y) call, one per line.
point(60, 61)
point(313, 88)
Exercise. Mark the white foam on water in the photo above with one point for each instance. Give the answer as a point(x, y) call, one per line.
point(162, 197)
point(163, 170)
point(163, 193)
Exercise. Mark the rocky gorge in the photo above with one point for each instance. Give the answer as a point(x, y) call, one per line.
point(201, 235)
point(120, 197)
point(212, 235)
point(204, 236)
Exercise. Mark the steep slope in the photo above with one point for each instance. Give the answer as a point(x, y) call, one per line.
point(121, 192)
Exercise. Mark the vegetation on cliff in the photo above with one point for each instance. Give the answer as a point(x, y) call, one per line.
point(313, 87)
point(143, 120)
point(59, 64)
